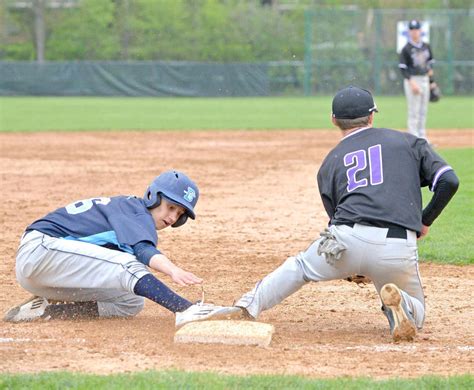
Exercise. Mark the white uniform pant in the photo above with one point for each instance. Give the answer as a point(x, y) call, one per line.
point(417, 105)
point(369, 253)
point(75, 271)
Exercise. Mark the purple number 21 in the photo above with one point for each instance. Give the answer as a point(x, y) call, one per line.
point(357, 161)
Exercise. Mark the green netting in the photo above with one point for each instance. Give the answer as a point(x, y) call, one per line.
point(133, 79)
point(341, 46)
point(359, 46)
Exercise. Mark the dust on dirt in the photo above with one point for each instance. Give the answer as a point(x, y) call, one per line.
point(259, 204)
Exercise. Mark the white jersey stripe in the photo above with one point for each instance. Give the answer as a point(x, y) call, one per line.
point(438, 175)
point(357, 131)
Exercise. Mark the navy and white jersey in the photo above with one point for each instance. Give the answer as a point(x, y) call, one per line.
point(117, 223)
point(373, 177)
point(415, 59)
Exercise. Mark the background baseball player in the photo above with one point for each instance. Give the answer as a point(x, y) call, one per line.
point(370, 187)
point(416, 60)
point(95, 254)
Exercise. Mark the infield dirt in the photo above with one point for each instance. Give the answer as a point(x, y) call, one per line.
point(259, 204)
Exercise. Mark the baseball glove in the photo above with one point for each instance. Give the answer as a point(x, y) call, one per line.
point(359, 279)
point(435, 92)
point(330, 247)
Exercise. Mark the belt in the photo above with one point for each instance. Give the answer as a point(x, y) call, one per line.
point(393, 231)
point(397, 232)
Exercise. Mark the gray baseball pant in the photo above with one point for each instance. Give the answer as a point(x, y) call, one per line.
point(417, 105)
point(369, 252)
point(75, 271)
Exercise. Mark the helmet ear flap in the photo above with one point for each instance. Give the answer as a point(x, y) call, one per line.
point(152, 200)
point(180, 221)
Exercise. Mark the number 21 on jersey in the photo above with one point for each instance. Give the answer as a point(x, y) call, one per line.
point(358, 161)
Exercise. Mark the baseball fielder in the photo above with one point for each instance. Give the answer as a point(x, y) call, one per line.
point(370, 187)
point(95, 256)
point(416, 60)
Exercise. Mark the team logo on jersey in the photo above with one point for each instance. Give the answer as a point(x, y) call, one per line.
point(189, 194)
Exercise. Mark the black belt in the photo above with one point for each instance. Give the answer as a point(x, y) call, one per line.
point(393, 231)
point(397, 232)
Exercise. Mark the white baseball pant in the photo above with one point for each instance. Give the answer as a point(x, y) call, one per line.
point(369, 252)
point(417, 105)
point(75, 271)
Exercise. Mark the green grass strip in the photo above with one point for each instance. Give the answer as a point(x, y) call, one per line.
point(450, 239)
point(182, 380)
point(97, 113)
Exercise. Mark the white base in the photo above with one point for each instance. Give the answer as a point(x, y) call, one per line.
point(226, 332)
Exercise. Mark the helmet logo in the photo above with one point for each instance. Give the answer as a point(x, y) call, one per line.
point(189, 195)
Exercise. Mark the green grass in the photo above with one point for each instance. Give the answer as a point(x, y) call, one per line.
point(182, 380)
point(450, 239)
point(94, 113)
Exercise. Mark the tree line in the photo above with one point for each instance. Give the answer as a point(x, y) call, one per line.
point(167, 30)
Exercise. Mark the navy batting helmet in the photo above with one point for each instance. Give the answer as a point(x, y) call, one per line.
point(176, 188)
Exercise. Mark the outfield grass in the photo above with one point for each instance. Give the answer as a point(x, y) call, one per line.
point(182, 380)
point(450, 239)
point(93, 113)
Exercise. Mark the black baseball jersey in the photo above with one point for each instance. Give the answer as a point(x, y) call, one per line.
point(119, 222)
point(373, 177)
point(415, 59)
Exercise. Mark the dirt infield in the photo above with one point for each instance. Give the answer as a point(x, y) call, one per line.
point(259, 204)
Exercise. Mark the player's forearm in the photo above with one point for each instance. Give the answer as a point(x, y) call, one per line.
point(161, 263)
point(183, 278)
point(445, 189)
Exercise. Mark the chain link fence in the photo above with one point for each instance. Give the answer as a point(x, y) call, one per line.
point(360, 46)
point(301, 51)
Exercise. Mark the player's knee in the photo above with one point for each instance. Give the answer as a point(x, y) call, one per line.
point(297, 265)
point(132, 306)
point(128, 306)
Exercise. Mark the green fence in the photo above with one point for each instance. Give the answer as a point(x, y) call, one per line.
point(360, 47)
point(132, 78)
point(334, 47)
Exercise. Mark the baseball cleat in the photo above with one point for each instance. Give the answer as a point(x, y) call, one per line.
point(402, 323)
point(243, 314)
point(199, 312)
point(30, 310)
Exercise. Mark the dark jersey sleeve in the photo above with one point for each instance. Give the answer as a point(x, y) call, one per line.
point(430, 58)
point(144, 251)
point(432, 166)
point(405, 62)
point(445, 189)
point(133, 223)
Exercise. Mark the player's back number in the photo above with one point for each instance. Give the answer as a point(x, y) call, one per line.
point(82, 206)
point(358, 161)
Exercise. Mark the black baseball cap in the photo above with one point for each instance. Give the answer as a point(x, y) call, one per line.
point(353, 102)
point(414, 24)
